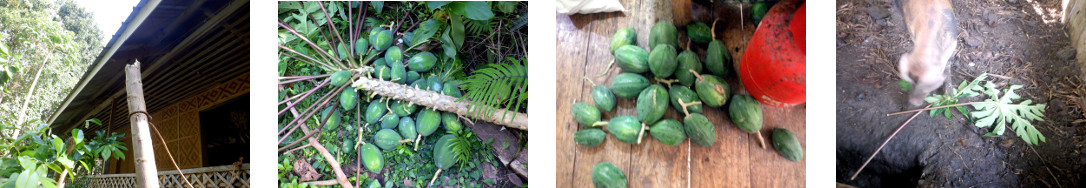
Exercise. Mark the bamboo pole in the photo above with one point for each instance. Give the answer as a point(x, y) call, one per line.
point(146, 170)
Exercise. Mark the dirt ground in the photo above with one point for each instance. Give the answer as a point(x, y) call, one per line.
point(1015, 41)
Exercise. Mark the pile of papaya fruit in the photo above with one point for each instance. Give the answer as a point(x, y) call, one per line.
point(660, 77)
point(399, 122)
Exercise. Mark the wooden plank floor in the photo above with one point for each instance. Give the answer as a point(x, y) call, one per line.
point(736, 160)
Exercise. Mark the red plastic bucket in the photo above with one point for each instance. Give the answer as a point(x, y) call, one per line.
point(773, 68)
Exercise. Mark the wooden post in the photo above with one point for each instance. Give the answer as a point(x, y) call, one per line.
point(146, 170)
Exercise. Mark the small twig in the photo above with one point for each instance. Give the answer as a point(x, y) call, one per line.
point(761, 141)
point(608, 70)
point(641, 133)
point(665, 81)
point(937, 107)
point(884, 144)
point(1046, 165)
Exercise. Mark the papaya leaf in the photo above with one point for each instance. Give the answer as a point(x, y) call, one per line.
point(456, 31)
point(965, 89)
point(1000, 110)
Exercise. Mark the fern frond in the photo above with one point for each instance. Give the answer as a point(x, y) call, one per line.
point(476, 27)
point(498, 87)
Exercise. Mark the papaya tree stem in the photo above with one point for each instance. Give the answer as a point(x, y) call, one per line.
point(434, 100)
point(435, 177)
point(590, 81)
point(314, 45)
point(417, 139)
point(696, 74)
point(666, 81)
point(608, 70)
point(641, 133)
point(761, 141)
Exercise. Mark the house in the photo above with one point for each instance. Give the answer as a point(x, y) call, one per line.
point(195, 66)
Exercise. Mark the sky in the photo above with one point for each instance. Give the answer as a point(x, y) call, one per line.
point(109, 14)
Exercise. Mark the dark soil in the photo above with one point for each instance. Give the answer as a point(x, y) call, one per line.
point(1007, 39)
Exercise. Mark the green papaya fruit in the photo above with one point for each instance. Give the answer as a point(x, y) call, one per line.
point(662, 61)
point(451, 122)
point(712, 90)
point(604, 98)
point(688, 96)
point(628, 85)
point(652, 103)
point(452, 90)
point(390, 120)
point(607, 175)
point(402, 108)
point(394, 55)
point(348, 146)
point(372, 158)
point(700, 129)
point(787, 145)
point(422, 62)
point(632, 59)
point(443, 155)
point(668, 131)
point(348, 98)
point(397, 73)
point(663, 32)
point(699, 32)
point(427, 121)
point(412, 76)
point(625, 128)
point(342, 50)
point(387, 139)
point(382, 40)
point(383, 72)
point(341, 77)
point(585, 114)
point(758, 11)
point(373, 33)
point(379, 62)
point(361, 46)
point(407, 128)
point(333, 121)
point(688, 60)
point(375, 111)
point(421, 83)
point(624, 36)
point(589, 137)
point(717, 59)
point(436, 85)
point(746, 113)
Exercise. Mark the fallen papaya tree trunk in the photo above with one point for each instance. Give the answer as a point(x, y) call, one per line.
point(438, 101)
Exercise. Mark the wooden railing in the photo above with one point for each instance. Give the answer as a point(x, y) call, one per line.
point(216, 176)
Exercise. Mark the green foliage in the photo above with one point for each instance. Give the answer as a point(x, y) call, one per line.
point(59, 40)
point(39, 156)
point(499, 86)
point(965, 89)
point(997, 109)
point(1002, 111)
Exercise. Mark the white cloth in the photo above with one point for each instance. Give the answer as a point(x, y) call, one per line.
point(588, 6)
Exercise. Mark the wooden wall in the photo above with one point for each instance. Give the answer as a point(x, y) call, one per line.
point(179, 124)
point(1076, 28)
